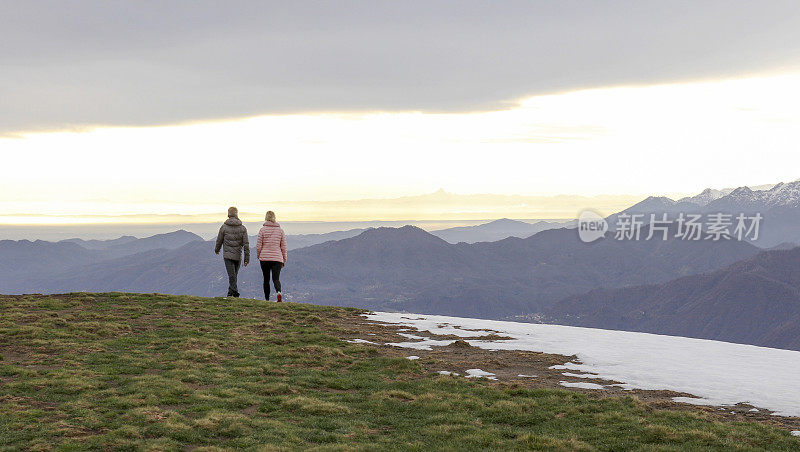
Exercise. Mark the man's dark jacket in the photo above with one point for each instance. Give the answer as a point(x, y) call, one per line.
point(232, 238)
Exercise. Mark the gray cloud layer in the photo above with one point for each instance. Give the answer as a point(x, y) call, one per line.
point(66, 64)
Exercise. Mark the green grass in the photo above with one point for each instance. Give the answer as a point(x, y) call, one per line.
point(126, 371)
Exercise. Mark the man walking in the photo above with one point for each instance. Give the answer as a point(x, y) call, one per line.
point(233, 237)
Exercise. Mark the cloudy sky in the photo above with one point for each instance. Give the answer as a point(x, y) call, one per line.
point(202, 102)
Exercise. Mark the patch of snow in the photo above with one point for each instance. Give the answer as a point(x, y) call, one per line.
point(582, 385)
point(447, 372)
point(570, 374)
point(753, 410)
point(411, 336)
point(359, 341)
point(720, 372)
point(442, 327)
point(476, 373)
point(795, 432)
point(693, 401)
point(527, 376)
point(412, 357)
point(421, 345)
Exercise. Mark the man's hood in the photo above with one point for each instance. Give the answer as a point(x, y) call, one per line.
point(233, 221)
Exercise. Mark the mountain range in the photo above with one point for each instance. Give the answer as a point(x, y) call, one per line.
point(754, 301)
point(497, 230)
point(127, 245)
point(779, 205)
point(405, 269)
point(726, 290)
point(296, 241)
point(486, 232)
point(411, 270)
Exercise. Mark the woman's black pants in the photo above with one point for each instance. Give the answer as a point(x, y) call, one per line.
point(275, 268)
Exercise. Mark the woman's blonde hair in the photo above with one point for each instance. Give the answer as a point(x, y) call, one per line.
point(270, 216)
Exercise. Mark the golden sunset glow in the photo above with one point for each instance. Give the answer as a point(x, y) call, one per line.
point(630, 141)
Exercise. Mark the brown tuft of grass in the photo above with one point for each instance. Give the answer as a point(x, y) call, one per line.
point(395, 394)
point(224, 423)
point(312, 405)
point(201, 356)
point(545, 442)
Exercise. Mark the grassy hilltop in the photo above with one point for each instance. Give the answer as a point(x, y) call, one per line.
point(130, 371)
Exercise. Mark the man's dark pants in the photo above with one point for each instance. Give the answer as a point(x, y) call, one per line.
point(232, 267)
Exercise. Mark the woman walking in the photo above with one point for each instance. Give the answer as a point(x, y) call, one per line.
point(271, 252)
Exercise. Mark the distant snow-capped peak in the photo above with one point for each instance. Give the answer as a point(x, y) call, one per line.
point(706, 196)
point(783, 194)
point(780, 194)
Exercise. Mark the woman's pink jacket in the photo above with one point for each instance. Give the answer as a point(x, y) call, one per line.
point(271, 243)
